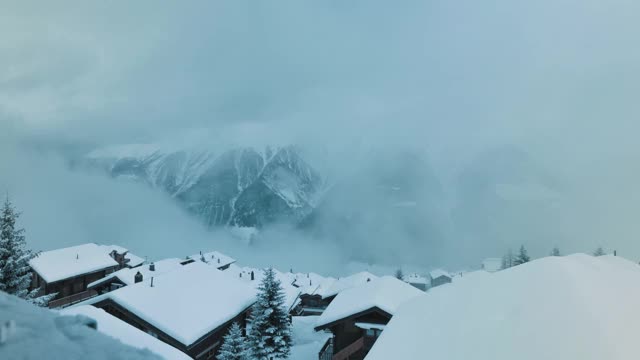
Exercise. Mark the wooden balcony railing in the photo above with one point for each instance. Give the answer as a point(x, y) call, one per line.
point(353, 348)
point(326, 353)
point(72, 299)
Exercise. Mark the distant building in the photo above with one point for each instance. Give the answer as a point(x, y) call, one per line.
point(68, 271)
point(190, 308)
point(215, 258)
point(125, 277)
point(491, 264)
point(417, 281)
point(357, 316)
point(439, 277)
point(315, 298)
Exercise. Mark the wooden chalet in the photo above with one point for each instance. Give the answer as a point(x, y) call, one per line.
point(315, 299)
point(190, 308)
point(68, 271)
point(357, 317)
point(439, 277)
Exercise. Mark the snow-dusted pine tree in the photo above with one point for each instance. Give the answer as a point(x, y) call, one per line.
point(508, 260)
point(522, 257)
point(599, 251)
point(270, 334)
point(555, 251)
point(399, 274)
point(15, 273)
point(233, 346)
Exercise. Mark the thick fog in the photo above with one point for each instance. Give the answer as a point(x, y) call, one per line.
point(523, 115)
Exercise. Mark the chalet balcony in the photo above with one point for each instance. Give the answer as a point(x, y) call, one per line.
point(72, 299)
point(359, 348)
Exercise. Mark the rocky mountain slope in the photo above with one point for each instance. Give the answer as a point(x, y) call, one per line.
point(240, 186)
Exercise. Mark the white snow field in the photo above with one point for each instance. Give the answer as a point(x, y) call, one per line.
point(127, 334)
point(31, 333)
point(569, 308)
point(307, 343)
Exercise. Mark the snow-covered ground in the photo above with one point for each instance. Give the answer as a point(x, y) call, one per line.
point(37, 333)
point(127, 334)
point(306, 342)
point(573, 307)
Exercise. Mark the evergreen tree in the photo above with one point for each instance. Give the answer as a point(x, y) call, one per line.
point(15, 273)
point(508, 260)
point(599, 252)
point(522, 256)
point(555, 251)
point(233, 346)
point(399, 274)
point(270, 335)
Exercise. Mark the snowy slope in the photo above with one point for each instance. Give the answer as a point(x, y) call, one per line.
point(43, 334)
point(574, 307)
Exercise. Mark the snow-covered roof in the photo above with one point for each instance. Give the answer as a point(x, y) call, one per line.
point(346, 283)
point(369, 326)
point(127, 334)
point(492, 264)
point(385, 293)
point(60, 264)
point(312, 283)
point(109, 248)
point(416, 279)
point(214, 258)
point(43, 334)
point(127, 275)
point(186, 303)
point(573, 307)
point(134, 260)
point(434, 274)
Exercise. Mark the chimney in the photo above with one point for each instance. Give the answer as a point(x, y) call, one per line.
point(218, 260)
point(615, 253)
point(138, 277)
point(152, 267)
point(253, 277)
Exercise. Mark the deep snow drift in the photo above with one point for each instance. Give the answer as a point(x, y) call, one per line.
point(42, 334)
point(574, 307)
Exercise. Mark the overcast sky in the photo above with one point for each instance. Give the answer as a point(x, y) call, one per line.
point(557, 78)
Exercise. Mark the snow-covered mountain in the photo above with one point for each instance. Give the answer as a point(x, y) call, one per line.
point(240, 186)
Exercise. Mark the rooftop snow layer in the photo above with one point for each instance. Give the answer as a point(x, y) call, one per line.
point(187, 303)
point(346, 283)
point(215, 258)
point(385, 293)
point(127, 276)
point(42, 334)
point(438, 273)
point(573, 307)
point(60, 264)
point(134, 260)
point(127, 334)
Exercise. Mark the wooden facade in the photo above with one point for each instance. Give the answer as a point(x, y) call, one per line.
point(440, 280)
point(311, 305)
point(70, 290)
point(352, 342)
point(205, 348)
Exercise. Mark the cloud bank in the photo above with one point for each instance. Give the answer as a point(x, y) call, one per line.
point(473, 84)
